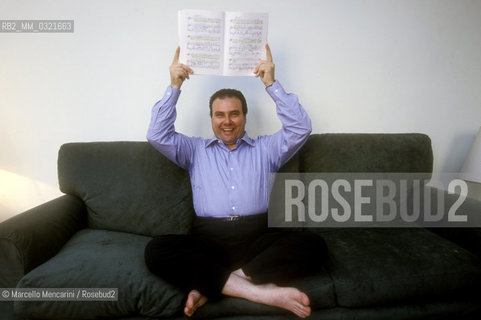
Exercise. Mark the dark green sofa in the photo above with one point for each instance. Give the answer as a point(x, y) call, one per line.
point(120, 194)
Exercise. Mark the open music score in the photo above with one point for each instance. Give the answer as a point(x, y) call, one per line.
point(222, 43)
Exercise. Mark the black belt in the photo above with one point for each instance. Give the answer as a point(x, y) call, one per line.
point(234, 218)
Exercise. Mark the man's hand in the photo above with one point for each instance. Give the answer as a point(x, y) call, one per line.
point(178, 71)
point(265, 69)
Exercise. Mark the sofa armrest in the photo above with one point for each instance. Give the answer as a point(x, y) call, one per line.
point(468, 235)
point(34, 236)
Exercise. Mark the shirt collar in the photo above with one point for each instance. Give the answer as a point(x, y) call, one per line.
point(244, 138)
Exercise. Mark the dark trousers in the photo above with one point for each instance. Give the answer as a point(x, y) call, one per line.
point(204, 259)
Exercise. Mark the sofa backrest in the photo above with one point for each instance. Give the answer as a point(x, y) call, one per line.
point(378, 161)
point(131, 187)
point(344, 152)
point(127, 186)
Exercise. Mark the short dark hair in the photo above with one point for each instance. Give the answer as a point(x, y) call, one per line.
point(228, 93)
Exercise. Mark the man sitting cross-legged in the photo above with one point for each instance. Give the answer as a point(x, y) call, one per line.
point(230, 251)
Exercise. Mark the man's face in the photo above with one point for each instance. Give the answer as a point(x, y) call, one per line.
point(228, 120)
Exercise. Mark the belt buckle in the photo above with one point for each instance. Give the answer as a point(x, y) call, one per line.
point(234, 218)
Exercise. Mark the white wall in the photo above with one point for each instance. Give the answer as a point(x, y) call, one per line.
point(358, 66)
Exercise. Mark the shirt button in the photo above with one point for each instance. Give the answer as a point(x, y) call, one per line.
point(231, 169)
point(233, 187)
point(233, 208)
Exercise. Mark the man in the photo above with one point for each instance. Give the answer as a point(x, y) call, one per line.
point(230, 251)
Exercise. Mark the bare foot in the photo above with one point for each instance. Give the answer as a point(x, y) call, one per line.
point(195, 300)
point(287, 298)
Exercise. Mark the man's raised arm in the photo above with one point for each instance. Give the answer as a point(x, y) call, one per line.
point(161, 134)
point(296, 124)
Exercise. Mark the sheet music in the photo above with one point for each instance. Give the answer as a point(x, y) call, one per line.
point(230, 43)
point(201, 38)
point(246, 36)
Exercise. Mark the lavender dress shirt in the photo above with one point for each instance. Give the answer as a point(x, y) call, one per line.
point(229, 182)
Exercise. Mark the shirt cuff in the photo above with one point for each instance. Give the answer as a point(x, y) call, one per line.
point(276, 91)
point(171, 95)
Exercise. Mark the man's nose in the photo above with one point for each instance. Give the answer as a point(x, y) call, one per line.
point(227, 120)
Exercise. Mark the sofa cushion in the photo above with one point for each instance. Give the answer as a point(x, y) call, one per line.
point(127, 186)
point(101, 259)
point(384, 266)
